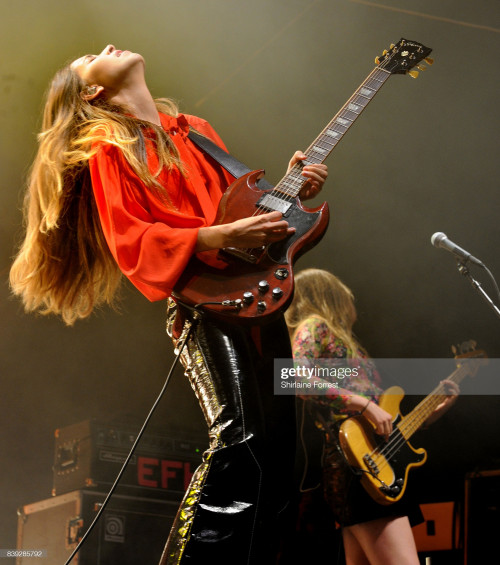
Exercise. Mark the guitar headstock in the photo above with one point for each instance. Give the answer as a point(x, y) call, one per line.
point(473, 357)
point(403, 57)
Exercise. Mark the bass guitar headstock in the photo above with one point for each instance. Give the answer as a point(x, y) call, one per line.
point(468, 357)
point(402, 57)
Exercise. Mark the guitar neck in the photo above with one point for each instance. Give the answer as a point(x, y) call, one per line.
point(322, 146)
point(413, 421)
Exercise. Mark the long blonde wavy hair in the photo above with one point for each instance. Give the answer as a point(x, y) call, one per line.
point(63, 265)
point(321, 294)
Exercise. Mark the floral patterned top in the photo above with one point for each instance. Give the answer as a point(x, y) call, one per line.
point(314, 343)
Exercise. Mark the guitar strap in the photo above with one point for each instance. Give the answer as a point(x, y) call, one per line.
point(230, 163)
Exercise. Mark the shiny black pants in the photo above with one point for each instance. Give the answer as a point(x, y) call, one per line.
point(238, 497)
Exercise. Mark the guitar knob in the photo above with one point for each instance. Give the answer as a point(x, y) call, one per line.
point(261, 306)
point(277, 293)
point(281, 273)
point(247, 297)
point(263, 286)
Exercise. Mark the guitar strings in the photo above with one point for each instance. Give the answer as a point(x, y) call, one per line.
point(322, 141)
point(398, 439)
point(389, 448)
point(373, 82)
point(411, 423)
point(290, 185)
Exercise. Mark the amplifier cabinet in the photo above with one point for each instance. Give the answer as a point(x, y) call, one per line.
point(90, 454)
point(482, 516)
point(130, 530)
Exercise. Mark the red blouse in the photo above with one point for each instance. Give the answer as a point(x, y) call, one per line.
point(151, 240)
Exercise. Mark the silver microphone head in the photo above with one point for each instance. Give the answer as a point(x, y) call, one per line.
point(437, 238)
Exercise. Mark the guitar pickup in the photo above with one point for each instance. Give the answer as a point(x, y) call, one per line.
point(248, 255)
point(371, 464)
point(274, 203)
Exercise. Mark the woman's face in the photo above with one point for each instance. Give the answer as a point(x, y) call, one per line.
point(110, 69)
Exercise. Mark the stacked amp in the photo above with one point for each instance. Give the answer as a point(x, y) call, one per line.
point(135, 524)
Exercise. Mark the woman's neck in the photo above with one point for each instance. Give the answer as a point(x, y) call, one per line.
point(138, 101)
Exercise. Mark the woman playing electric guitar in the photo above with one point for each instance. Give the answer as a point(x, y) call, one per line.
point(118, 186)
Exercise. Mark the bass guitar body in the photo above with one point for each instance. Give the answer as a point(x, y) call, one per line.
point(248, 284)
point(384, 465)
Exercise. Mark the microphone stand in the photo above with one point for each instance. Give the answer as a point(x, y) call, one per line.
point(463, 269)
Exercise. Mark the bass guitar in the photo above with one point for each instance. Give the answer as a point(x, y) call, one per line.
point(248, 284)
point(384, 464)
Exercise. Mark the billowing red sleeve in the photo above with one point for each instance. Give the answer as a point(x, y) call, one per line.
point(152, 252)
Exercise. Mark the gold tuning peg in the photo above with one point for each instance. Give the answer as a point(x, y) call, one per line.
point(413, 74)
point(421, 67)
point(429, 60)
point(377, 60)
point(384, 52)
point(392, 46)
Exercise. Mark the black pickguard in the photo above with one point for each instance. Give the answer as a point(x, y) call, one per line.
point(400, 460)
point(303, 222)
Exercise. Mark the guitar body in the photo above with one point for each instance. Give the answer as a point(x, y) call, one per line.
point(220, 278)
point(385, 471)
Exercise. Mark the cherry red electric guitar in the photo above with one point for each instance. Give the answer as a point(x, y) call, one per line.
point(248, 284)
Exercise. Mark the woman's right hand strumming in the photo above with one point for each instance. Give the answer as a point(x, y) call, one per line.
point(381, 419)
point(251, 232)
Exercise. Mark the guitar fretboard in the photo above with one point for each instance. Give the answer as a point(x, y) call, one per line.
point(291, 184)
point(416, 418)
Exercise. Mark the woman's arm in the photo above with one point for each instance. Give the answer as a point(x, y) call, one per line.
point(452, 391)
point(310, 341)
point(255, 231)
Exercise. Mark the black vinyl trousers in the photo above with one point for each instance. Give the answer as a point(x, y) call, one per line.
point(238, 498)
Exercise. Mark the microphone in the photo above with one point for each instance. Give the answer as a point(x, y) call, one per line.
point(439, 239)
